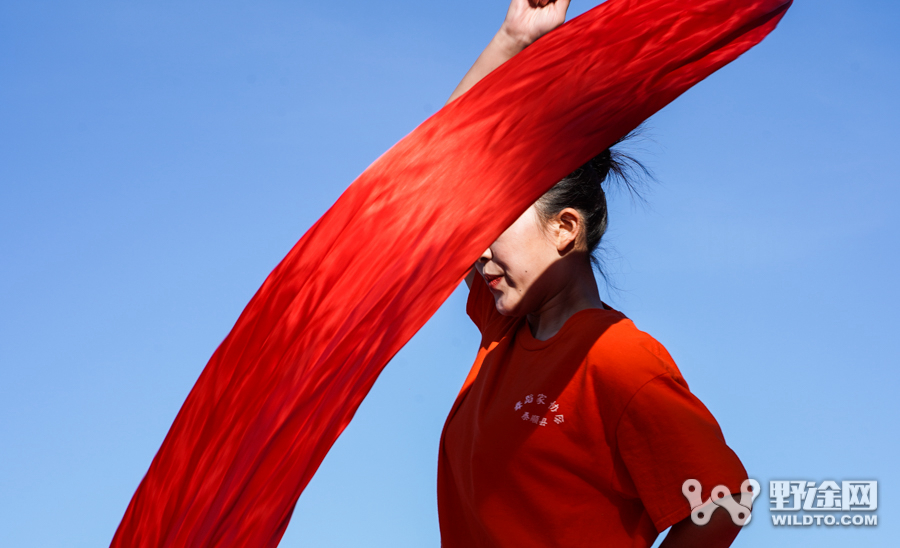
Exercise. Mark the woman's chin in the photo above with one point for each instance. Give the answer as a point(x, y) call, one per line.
point(506, 308)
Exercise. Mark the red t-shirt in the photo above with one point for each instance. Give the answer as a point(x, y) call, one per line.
point(584, 439)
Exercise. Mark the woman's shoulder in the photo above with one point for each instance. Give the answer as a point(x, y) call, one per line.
point(622, 358)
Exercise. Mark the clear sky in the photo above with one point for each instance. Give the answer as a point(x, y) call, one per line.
point(157, 159)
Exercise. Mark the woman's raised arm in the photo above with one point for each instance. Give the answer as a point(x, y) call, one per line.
point(526, 21)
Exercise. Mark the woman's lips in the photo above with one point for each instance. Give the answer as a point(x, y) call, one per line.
point(492, 281)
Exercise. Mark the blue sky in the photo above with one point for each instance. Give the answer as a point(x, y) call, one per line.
point(158, 159)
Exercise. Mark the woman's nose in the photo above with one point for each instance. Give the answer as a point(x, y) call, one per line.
point(486, 255)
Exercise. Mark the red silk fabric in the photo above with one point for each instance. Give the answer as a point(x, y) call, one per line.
point(304, 353)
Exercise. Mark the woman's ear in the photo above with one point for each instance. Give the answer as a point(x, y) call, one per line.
point(568, 227)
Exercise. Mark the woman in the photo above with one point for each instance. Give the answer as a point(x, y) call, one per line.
point(573, 428)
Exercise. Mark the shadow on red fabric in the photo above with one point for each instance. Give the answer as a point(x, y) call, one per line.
point(289, 376)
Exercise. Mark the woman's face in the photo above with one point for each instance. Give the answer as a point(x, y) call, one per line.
point(516, 266)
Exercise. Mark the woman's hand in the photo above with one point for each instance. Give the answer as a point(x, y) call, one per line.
point(526, 21)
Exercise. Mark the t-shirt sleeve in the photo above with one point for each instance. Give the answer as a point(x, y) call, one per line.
point(666, 436)
point(480, 305)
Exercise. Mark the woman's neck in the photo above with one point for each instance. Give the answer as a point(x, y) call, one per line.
point(579, 292)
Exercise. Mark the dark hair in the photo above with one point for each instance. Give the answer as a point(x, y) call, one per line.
point(582, 190)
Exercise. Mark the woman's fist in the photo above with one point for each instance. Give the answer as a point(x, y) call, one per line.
point(528, 20)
